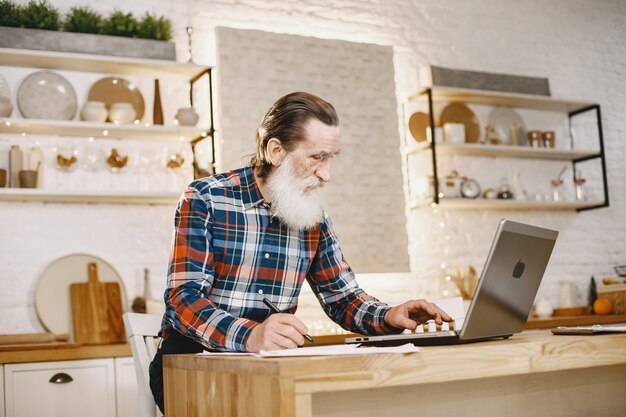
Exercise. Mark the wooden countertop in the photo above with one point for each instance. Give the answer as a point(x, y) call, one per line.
point(59, 351)
point(533, 351)
point(46, 352)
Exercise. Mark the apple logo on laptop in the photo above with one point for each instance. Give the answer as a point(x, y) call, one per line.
point(519, 269)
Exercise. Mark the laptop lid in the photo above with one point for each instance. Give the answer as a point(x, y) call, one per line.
point(509, 281)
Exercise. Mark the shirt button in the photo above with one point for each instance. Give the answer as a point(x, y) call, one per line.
point(261, 292)
point(267, 255)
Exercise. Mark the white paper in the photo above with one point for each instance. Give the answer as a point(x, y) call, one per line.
point(329, 350)
point(337, 350)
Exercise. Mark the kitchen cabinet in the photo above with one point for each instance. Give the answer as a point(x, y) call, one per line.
point(126, 388)
point(425, 190)
point(1, 390)
point(63, 389)
point(86, 63)
point(106, 387)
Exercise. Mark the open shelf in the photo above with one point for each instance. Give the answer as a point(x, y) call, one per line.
point(505, 151)
point(95, 129)
point(119, 197)
point(464, 203)
point(494, 98)
point(98, 63)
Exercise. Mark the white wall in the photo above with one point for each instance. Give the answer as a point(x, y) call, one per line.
point(579, 45)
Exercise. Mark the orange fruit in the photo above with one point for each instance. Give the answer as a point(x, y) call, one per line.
point(602, 306)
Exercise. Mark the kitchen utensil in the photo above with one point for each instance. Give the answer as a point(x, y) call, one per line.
point(28, 178)
point(97, 310)
point(508, 126)
point(187, 116)
point(534, 138)
point(548, 139)
point(46, 95)
point(460, 113)
point(438, 134)
point(117, 90)
point(24, 338)
point(52, 295)
point(454, 133)
point(418, 122)
point(94, 111)
point(122, 113)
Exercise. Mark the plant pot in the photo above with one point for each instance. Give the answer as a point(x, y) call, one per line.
point(86, 43)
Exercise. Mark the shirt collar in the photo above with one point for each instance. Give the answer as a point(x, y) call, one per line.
point(250, 193)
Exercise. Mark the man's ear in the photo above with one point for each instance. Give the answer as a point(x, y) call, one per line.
point(275, 151)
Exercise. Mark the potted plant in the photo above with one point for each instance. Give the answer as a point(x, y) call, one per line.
point(38, 25)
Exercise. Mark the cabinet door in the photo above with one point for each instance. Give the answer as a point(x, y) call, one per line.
point(60, 389)
point(1, 391)
point(126, 388)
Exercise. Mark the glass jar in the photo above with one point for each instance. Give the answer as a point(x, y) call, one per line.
point(557, 190)
point(581, 191)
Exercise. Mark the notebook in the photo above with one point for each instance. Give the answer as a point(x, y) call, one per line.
point(505, 293)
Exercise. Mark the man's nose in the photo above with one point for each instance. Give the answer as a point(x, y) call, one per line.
point(323, 173)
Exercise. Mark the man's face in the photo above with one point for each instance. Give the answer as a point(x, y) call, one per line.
point(312, 156)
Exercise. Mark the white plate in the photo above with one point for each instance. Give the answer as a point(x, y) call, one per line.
point(5, 91)
point(46, 95)
point(508, 126)
point(52, 293)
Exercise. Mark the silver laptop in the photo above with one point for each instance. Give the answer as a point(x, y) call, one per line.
point(505, 293)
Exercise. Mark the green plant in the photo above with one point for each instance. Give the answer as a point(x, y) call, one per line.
point(152, 27)
point(40, 15)
point(10, 14)
point(82, 20)
point(120, 24)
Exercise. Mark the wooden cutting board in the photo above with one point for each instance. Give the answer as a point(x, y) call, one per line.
point(97, 310)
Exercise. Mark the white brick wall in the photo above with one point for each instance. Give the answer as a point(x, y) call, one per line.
point(579, 45)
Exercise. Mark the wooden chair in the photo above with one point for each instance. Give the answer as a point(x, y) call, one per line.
point(142, 330)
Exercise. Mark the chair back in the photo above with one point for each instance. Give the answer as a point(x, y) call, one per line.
point(142, 332)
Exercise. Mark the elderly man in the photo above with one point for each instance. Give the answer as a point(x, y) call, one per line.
point(258, 233)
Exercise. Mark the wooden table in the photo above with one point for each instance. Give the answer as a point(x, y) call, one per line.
point(531, 374)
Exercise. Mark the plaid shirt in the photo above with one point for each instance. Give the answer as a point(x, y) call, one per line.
point(229, 253)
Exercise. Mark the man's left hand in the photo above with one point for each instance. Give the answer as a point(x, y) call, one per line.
point(411, 314)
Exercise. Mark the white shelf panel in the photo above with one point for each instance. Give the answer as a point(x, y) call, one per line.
point(463, 204)
point(98, 63)
point(494, 98)
point(121, 197)
point(505, 151)
point(108, 130)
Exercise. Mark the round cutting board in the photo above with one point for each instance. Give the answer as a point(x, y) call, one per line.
point(52, 293)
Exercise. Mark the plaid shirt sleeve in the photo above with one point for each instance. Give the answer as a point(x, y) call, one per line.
point(190, 278)
point(335, 286)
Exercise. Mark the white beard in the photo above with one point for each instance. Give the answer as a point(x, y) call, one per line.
point(297, 203)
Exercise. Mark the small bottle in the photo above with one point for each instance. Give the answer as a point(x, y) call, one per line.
point(581, 191)
point(15, 164)
point(557, 189)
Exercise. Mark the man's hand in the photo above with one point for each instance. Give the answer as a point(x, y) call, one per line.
point(279, 331)
point(411, 314)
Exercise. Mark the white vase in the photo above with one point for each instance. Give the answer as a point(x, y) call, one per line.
point(6, 108)
point(122, 113)
point(187, 116)
point(94, 111)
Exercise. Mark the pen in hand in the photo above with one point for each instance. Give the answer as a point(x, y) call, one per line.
point(275, 309)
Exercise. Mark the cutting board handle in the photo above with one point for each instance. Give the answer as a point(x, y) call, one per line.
point(92, 269)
